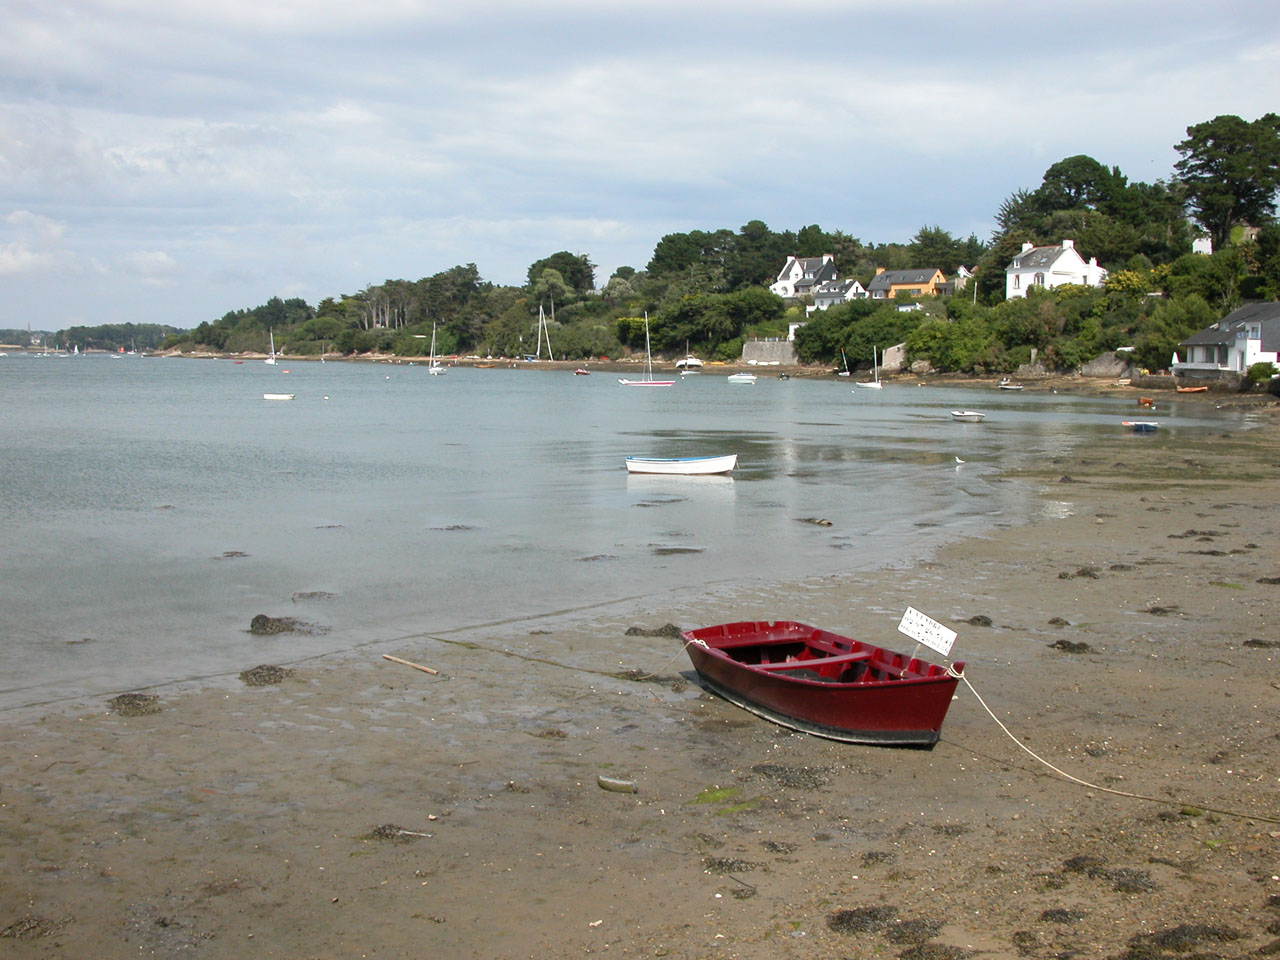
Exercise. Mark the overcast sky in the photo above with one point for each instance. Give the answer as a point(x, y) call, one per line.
point(165, 161)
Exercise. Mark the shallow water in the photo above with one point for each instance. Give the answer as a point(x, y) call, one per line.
point(150, 507)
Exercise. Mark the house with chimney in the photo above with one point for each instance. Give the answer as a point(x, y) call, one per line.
point(1050, 267)
point(800, 275)
point(1233, 344)
point(887, 284)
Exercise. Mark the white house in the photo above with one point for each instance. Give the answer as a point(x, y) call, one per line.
point(1050, 267)
point(801, 274)
point(1240, 339)
point(835, 292)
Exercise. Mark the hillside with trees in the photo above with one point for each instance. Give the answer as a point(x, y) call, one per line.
point(708, 290)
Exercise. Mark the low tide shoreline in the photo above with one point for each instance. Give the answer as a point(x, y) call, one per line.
point(358, 807)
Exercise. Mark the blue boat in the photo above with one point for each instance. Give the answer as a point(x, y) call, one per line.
point(1141, 426)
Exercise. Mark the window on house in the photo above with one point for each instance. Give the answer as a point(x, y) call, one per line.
point(1038, 280)
point(1017, 281)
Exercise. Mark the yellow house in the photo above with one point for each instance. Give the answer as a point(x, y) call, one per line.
point(887, 284)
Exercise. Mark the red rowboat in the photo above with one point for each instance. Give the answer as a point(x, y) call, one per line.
point(824, 684)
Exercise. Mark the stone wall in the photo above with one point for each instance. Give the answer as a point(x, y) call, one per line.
point(1108, 366)
point(770, 351)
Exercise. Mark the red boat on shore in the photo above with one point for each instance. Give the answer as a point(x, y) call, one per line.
point(824, 684)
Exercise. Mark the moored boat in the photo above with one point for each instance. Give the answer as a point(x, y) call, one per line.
point(1190, 389)
point(277, 396)
point(741, 378)
point(648, 380)
point(683, 466)
point(1007, 384)
point(969, 416)
point(1141, 426)
point(824, 684)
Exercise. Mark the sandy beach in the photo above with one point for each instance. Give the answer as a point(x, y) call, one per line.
point(1130, 636)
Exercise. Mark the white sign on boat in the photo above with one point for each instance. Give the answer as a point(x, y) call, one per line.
point(924, 630)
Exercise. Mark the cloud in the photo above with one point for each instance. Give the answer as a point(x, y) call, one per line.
point(319, 145)
point(37, 247)
point(154, 268)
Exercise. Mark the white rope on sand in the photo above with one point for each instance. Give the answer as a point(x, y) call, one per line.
point(1094, 786)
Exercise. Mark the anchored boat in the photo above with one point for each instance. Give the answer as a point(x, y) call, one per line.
point(824, 684)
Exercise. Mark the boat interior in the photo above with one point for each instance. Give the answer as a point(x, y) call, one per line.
point(828, 661)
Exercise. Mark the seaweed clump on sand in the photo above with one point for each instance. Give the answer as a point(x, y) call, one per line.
point(395, 833)
point(862, 919)
point(264, 675)
point(135, 704)
point(1181, 939)
point(262, 625)
point(666, 630)
point(1070, 646)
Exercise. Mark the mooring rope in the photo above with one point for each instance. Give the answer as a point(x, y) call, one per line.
point(1094, 786)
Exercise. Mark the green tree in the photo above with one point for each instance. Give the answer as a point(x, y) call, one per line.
point(1078, 182)
point(575, 269)
point(810, 242)
point(935, 247)
point(549, 287)
point(1231, 170)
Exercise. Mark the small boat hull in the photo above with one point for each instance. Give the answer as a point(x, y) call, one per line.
point(645, 383)
point(967, 416)
point(277, 396)
point(824, 684)
point(1141, 426)
point(1191, 389)
point(683, 466)
point(741, 378)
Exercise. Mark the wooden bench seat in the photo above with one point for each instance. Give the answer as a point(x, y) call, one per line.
point(816, 662)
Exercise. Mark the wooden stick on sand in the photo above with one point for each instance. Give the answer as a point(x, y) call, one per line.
point(410, 663)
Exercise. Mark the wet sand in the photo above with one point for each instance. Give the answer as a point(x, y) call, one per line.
point(361, 808)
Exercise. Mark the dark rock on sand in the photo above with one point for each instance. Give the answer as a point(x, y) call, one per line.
point(135, 704)
point(1070, 646)
point(1089, 573)
point(264, 675)
point(979, 620)
point(862, 919)
point(264, 625)
point(666, 630)
point(1180, 939)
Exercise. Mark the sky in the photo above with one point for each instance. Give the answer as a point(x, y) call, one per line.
point(166, 161)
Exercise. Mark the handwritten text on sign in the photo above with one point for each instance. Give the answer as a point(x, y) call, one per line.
point(929, 632)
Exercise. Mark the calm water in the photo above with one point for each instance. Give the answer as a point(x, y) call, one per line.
point(152, 506)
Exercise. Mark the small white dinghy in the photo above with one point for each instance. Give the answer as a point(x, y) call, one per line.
point(968, 416)
point(683, 466)
point(277, 396)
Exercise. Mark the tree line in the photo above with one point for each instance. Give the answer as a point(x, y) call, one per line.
point(707, 291)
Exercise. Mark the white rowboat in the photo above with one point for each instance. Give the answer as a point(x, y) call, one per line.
point(970, 416)
point(682, 466)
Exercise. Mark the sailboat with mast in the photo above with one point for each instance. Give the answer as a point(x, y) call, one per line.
point(272, 358)
point(543, 333)
point(873, 384)
point(434, 367)
point(648, 380)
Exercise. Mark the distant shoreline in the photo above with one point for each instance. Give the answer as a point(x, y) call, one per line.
point(1057, 382)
